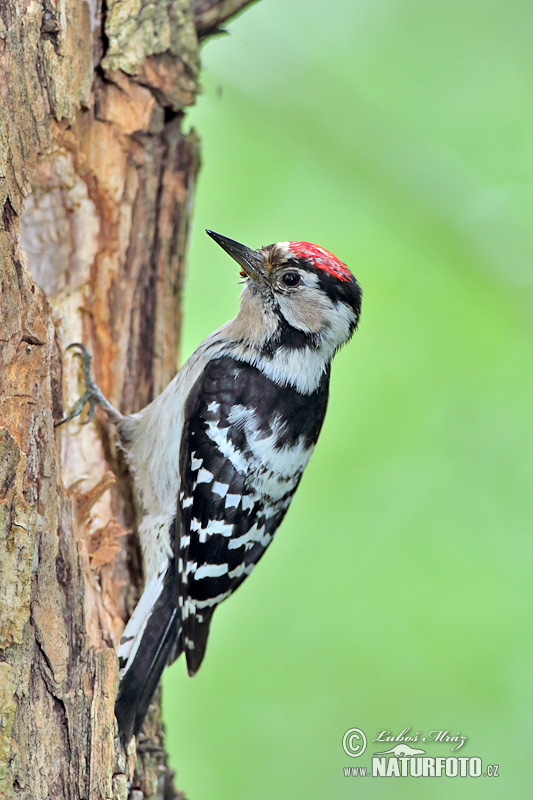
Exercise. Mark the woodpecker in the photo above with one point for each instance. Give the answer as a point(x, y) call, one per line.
point(218, 455)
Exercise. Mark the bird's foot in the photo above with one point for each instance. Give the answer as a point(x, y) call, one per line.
point(92, 396)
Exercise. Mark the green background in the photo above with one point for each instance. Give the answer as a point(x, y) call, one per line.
point(398, 592)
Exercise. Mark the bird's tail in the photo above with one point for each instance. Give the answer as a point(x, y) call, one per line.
point(151, 640)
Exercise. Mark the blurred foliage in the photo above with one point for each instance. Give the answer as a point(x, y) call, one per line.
point(396, 133)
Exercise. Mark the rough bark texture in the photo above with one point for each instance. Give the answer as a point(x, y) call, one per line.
point(96, 185)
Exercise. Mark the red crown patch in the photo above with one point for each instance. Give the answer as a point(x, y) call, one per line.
point(321, 258)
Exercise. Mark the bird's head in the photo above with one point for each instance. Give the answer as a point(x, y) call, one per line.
point(296, 295)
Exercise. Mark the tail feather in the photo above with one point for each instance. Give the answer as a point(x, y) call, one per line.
point(151, 640)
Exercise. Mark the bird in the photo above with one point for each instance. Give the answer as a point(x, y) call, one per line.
point(217, 457)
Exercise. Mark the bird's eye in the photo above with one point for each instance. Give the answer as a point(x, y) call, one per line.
point(291, 279)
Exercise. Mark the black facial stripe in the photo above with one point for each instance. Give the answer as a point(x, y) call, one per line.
point(288, 336)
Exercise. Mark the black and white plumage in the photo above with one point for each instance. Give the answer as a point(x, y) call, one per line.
point(218, 455)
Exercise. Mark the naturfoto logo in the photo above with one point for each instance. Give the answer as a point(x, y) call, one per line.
point(401, 755)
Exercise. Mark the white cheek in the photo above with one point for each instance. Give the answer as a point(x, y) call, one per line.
point(303, 368)
point(340, 325)
point(306, 309)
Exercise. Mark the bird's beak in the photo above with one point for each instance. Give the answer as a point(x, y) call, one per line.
point(251, 261)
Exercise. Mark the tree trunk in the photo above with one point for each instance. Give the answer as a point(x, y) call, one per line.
point(96, 188)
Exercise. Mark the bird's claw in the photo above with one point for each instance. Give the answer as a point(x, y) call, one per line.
point(78, 407)
point(92, 393)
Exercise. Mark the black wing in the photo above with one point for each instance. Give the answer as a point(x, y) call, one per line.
point(232, 500)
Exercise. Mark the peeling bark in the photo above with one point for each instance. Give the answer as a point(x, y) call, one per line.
point(96, 186)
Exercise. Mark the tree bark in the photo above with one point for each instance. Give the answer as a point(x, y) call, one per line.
point(96, 186)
